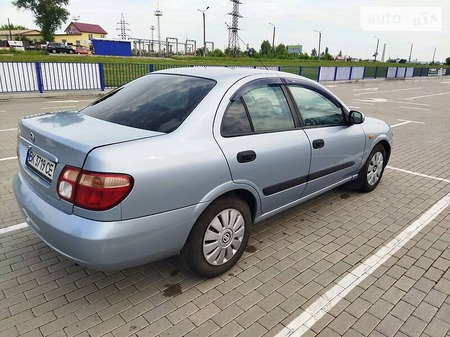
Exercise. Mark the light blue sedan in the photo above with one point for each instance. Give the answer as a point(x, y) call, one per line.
point(185, 161)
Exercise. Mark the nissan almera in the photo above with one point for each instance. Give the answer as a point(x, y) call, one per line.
point(186, 161)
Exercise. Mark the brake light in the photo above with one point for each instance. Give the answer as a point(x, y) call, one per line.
point(92, 190)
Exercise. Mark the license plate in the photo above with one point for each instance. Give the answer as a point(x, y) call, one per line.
point(41, 165)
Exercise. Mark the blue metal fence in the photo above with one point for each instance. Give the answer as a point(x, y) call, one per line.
point(51, 76)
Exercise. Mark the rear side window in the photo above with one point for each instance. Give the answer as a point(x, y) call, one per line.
point(154, 102)
point(261, 109)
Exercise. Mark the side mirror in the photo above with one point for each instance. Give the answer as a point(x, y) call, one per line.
point(355, 117)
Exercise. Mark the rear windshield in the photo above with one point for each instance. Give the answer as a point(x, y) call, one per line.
point(156, 102)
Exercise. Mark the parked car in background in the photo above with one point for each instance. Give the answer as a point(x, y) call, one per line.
point(56, 47)
point(82, 50)
point(187, 161)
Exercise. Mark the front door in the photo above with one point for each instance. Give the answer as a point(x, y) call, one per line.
point(336, 146)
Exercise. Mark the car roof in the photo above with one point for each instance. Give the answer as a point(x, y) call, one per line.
point(220, 73)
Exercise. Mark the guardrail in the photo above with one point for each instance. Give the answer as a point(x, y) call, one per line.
point(52, 76)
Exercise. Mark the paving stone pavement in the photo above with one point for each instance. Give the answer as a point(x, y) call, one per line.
point(292, 259)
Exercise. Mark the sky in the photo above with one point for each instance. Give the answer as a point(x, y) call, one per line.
point(350, 26)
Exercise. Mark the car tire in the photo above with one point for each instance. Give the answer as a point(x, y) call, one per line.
point(54, 51)
point(372, 171)
point(70, 51)
point(218, 237)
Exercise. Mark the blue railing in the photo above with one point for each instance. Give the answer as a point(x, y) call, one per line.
point(51, 76)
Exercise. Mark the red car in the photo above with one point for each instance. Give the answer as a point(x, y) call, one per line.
point(82, 50)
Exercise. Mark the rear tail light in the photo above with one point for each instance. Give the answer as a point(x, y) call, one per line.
point(93, 190)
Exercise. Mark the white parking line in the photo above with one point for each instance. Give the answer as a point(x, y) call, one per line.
point(366, 89)
point(431, 95)
point(4, 130)
point(8, 158)
point(413, 108)
point(71, 101)
point(418, 174)
point(364, 103)
point(403, 122)
point(384, 91)
point(421, 104)
point(327, 301)
point(59, 107)
point(13, 228)
point(67, 101)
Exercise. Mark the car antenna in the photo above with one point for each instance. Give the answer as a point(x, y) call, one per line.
point(247, 48)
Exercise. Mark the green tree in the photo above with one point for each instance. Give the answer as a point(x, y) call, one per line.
point(314, 53)
point(303, 56)
point(216, 53)
point(266, 49)
point(326, 55)
point(447, 61)
point(281, 51)
point(49, 15)
point(233, 52)
point(12, 27)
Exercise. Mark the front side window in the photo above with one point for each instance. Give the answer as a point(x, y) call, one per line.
point(153, 102)
point(261, 109)
point(316, 109)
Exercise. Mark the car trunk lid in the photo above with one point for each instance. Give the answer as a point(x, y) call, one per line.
point(49, 142)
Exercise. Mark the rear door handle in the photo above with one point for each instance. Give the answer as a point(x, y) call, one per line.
point(246, 156)
point(318, 143)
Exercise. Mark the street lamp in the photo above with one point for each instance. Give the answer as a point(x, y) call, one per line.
point(320, 40)
point(273, 39)
point(434, 54)
point(376, 50)
point(204, 31)
point(410, 51)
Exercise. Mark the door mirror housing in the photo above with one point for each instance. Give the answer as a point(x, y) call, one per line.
point(355, 117)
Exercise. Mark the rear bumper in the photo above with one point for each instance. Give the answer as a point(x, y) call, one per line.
point(105, 245)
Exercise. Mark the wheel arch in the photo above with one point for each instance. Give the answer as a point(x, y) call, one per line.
point(387, 148)
point(246, 196)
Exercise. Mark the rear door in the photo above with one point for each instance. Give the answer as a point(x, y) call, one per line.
point(263, 144)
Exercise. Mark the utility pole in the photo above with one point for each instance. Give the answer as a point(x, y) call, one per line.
point(320, 40)
point(376, 50)
point(123, 28)
point(204, 31)
point(158, 15)
point(434, 54)
point(273, 40)
point(9, 27)
point(410, 51)
point(152, 28)
point(233, 37)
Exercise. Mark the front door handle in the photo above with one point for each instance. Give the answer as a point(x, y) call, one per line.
point(246, 156)
point(318, 143)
